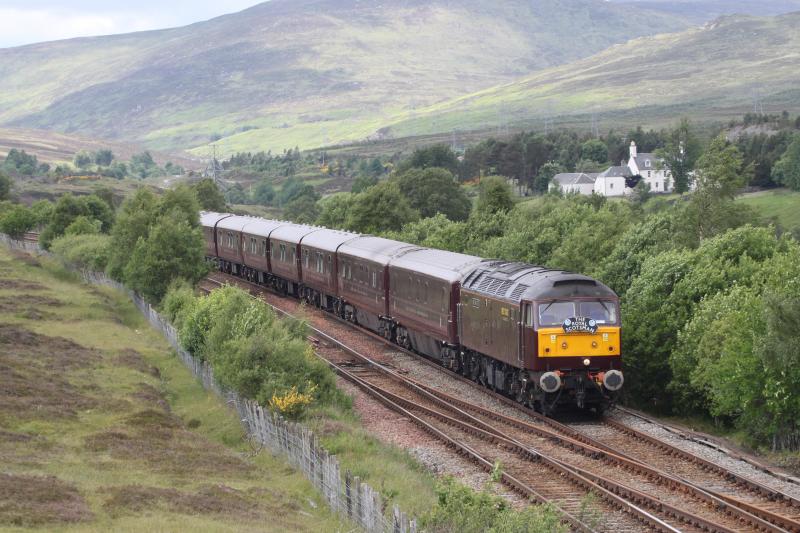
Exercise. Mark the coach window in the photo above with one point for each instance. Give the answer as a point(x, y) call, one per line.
point(305, 258)
point(444, 299)
point(374, 280)
point(283, 252)
point(419, 290)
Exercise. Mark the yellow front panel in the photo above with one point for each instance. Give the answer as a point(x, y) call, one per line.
point(552, 343)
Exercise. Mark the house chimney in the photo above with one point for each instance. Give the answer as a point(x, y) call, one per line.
point(633, 148)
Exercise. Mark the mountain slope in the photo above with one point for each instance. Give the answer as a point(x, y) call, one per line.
point(300, 71)
point(705, 73)
point(700, 11)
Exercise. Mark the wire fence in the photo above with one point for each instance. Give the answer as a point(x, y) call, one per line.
point(346, 494)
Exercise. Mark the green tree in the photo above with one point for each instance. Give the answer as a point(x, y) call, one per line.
point(787, 170)
point(303, 209)
point(680, 154)
point(67, 209)
point(83, 225)
point(438, 155)
point(594, 150)
point(434, 190)
point(719, 176)
point(541, 183)
point(17, 220)
point(334, 210)
point(435, 232)
point(172, 249)
point(143, 165)
point(380, 208)
point(5, 186)
point(495, 195)
point(133, 223)
point(264, 193)
point(363, 182)
point(82, 160)
point(103, 157)
point(209, 195)
point(42, 211)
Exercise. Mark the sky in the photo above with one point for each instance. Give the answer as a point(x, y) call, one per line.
point(31, 21)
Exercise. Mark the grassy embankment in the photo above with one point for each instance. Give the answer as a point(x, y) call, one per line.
point(101, 428)
point(780, 205)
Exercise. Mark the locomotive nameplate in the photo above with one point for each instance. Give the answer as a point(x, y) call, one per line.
point(580, 324)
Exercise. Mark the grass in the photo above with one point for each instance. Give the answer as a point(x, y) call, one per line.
point(779, 205)
point(104, 429)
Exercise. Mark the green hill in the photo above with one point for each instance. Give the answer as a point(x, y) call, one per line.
point(706, 73)
point(305, 72)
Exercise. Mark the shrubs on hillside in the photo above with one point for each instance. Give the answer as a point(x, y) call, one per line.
point(251, 350)
point(87, 251)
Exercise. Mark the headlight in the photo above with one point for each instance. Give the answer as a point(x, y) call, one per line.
point(550, 382)
point(613, 380)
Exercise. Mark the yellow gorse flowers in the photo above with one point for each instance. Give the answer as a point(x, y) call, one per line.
point(292, 403)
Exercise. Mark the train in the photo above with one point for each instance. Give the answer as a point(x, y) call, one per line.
point(548, 338)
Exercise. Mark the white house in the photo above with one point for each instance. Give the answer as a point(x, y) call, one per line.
point(651, 169)
point(611, 182)
point(579, 182)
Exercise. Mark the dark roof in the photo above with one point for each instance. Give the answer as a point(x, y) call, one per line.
point(574, 178)
point(615, 172)
point(375, 249)
point(292, 233)
point(328, 240)
point(520, 281)
point(642, 158)
point(262, 227)
point(441, 264)
point(209, 219)
point(235, 222)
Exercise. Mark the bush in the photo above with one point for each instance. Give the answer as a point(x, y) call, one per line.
point(84, 250)
point(17, 220)
point(252, 351)
point(461, 509)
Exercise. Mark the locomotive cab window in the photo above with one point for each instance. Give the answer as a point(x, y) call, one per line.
point(529, 315)
point(554, 313)
point(602, 312)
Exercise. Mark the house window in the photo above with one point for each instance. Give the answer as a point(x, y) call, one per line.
point(647, 163)
point(610, 185)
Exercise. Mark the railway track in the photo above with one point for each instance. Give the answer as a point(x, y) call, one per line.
point(625, 476)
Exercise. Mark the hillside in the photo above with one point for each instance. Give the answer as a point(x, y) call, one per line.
point(54, 147)
point(102, 428)
point(302, 72)
point(706, 73)
point(700, 11)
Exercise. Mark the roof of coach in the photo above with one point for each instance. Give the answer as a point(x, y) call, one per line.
point(521, 281)
point(289, 232)
point(375, 249)
point(328, 240)
point(209, 218)
point(234, 222)
point(262, 227)
point(440, 264)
